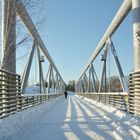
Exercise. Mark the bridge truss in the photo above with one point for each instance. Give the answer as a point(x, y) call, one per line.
point(88, 84)
point(12, 86)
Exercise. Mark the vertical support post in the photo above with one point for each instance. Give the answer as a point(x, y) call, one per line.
point(83, 85)
point(85, 81)
point(136, 33)
point(39, 73)
point(118, 66)
point(103, 70)
point(136, 44)
point(53, 81)
point(89, 80)
point(80, 86)
point(42, 81)
point(41, 77)
point(27, 69)
point(93, 78)
point(56, 84)
point(63, 85)
point(76, 87)
point(48, 73)
point(50, 80)
point(9, 35)
point(60, 86)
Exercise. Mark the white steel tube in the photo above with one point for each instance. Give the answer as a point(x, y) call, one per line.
point(136, 43)
point(136, 33)
point(119, 17)
point(23, 14)
point(9, 35)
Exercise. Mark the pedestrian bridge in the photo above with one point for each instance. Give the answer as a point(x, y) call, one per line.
point(98, 110)
point(75, 118)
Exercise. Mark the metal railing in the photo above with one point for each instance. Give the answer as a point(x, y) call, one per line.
point(118, 100)
point(124, 101)
point(26, 101)
point(121, 100)
point(9, 92)
point(11, 98)
point(134, 88)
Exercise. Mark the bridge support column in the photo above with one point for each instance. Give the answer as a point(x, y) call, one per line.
point(136, 42)
point(8, 47)
point(136, 33)
point(9, 35)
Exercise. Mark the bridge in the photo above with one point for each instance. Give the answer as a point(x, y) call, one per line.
point(94, 111)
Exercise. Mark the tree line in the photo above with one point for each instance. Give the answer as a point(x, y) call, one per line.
point(113, 84)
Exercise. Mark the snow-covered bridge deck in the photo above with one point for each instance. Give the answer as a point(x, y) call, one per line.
point(72, 119)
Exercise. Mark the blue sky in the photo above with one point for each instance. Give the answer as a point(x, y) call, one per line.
point(73, 28)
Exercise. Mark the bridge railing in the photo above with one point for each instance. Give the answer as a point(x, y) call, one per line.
point(118, 100)
point(9, 92)
point(134, 97)
point(26, 101)
point(11, 98)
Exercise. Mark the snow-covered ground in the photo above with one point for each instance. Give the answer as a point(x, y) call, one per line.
point(125, 126)
point(14, 126)
point(76, 118)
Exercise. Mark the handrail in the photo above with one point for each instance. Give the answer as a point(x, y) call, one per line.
point(11, 98)
point(120, 101)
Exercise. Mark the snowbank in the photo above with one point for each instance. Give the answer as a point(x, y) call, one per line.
point(126, 126)
point(14, 126)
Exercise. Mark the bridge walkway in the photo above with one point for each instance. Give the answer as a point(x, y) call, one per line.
point(71, 119)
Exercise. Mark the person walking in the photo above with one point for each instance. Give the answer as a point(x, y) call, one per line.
point(66, 94)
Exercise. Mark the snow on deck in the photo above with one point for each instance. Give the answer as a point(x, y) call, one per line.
point(76, 118)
